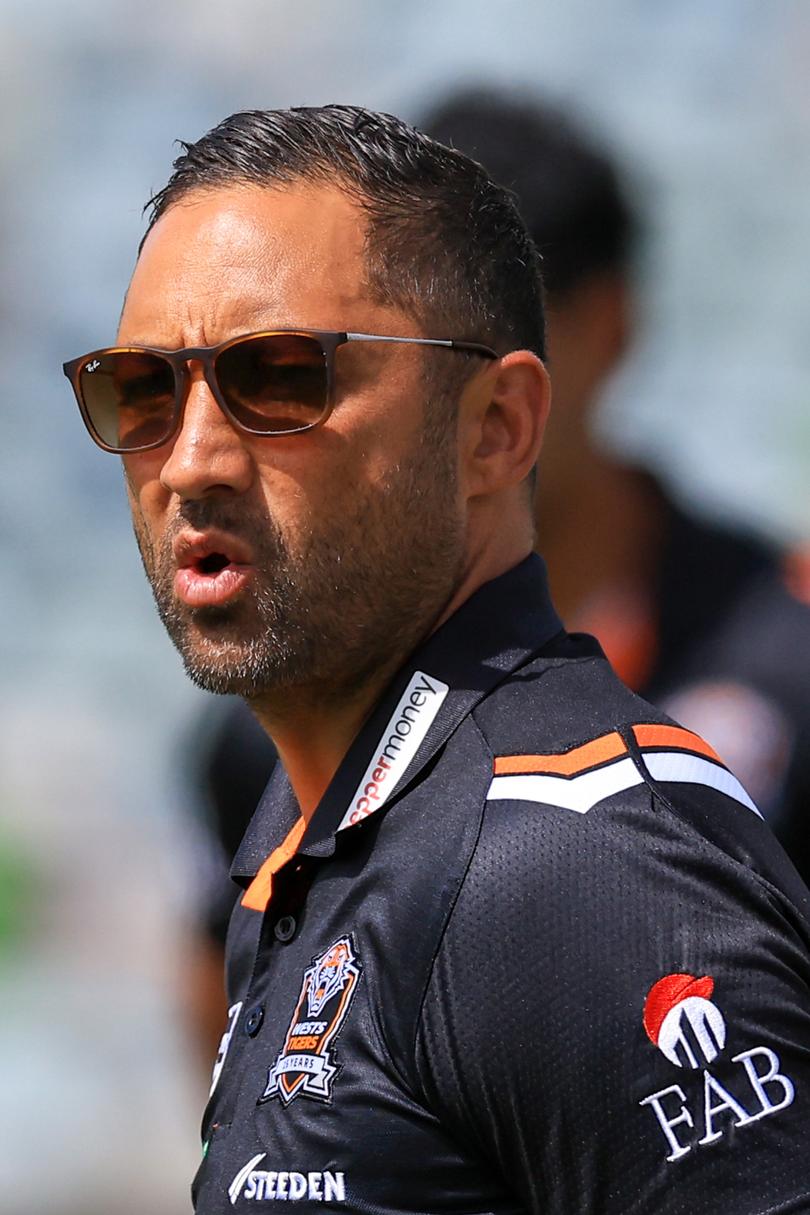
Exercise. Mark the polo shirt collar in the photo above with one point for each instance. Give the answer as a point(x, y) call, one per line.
point(493, 633)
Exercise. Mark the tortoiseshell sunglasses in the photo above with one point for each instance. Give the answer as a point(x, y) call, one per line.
point(278, 382)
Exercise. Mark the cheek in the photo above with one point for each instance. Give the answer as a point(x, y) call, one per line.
point(391, 440)
point(296, 502)
point(147, 497)
point(304, 476)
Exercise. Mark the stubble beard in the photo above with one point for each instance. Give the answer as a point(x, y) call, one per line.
point(353, 598)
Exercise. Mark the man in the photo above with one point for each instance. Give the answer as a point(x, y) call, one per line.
point(510, 939)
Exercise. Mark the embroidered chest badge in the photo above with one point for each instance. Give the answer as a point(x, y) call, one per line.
point(305, 1065)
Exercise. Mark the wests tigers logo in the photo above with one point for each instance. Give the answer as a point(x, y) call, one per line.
point(306, 1065)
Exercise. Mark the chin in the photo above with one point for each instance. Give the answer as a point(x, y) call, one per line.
point(244, 665)
point(223, 678)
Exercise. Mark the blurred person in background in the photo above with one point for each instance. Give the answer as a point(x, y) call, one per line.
point(695, 616)
point(493, 848)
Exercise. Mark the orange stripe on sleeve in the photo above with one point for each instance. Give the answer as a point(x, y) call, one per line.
point(260, 891)
point(673, 736)
point(578, 759)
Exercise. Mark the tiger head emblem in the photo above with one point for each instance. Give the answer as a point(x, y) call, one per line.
point(328, 976)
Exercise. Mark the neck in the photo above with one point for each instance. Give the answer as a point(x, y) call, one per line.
point(312, 728)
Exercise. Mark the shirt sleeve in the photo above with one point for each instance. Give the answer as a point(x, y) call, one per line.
point(618, 1016)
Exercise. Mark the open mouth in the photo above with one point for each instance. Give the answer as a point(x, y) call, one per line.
point(212, 563)
point(211, 570)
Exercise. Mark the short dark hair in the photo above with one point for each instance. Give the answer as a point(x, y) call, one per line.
point(567, 189)
point(444, 242)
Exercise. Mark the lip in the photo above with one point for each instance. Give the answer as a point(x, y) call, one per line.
point(200, 587)
point(190, 548)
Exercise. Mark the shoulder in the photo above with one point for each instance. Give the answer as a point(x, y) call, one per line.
point(583, 768)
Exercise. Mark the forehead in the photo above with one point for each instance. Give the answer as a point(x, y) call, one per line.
point(242, 258)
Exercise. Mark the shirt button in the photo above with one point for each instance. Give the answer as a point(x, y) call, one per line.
point(285, 928)
point(253, 1021)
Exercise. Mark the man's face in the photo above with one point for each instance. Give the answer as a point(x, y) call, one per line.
point(341, 545)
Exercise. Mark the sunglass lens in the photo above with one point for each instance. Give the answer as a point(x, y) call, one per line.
point(274, 384)
point(129, 396)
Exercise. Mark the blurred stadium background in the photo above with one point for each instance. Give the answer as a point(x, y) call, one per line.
point(708, 106)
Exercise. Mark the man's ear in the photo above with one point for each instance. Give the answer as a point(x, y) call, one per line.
point(502, 417)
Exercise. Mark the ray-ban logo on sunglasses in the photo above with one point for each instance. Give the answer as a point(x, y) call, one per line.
point(94, 366)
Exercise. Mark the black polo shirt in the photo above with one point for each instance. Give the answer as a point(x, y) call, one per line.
point(536, 951)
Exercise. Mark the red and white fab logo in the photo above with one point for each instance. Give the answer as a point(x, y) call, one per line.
point(305, 1065)
point(682, 1022)
point(687, 1026)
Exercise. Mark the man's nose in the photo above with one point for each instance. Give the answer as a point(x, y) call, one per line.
point(209, 455)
